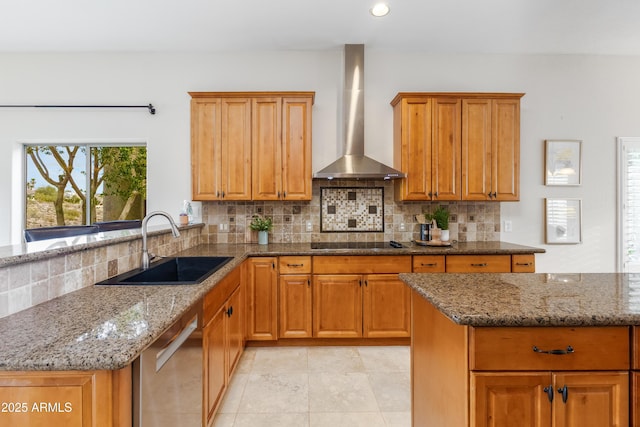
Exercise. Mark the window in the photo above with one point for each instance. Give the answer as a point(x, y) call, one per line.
point(82, 184)
point(629, 204)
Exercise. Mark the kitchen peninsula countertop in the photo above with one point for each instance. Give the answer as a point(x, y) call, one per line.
point(532, 299)
point(106, 327)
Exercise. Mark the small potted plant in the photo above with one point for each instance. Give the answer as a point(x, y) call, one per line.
point(262, 225)
point(441, 216)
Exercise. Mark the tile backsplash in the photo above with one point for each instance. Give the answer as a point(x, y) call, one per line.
point(296, 222)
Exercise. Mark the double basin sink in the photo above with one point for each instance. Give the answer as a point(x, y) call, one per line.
point(172, 271)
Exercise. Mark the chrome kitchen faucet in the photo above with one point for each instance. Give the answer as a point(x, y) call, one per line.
point(146, 257)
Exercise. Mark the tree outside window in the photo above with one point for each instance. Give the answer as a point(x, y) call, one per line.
point(84, 184)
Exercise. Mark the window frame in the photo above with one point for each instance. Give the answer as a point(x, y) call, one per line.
point(623, 144)
point(88, 144)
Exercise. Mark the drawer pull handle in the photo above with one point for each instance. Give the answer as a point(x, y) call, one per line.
point(526, 264)
point(549, 391)
point(564, 392)
point(556, 351)
point(295, 265)
point(483, 264)
point(430, 264)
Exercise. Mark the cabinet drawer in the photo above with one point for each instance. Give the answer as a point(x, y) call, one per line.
point(428, 264)
point(514, 349)
point(478, 263)
point(523, 263)
point(365, 264)
point(294, 264)
point(219, 294)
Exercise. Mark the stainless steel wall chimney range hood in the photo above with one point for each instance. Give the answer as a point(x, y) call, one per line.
point(354, 164)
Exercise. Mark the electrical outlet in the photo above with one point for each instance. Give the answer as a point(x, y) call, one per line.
point(508, 226)
point(402, 227)
point(309, 226)
point(223, 227)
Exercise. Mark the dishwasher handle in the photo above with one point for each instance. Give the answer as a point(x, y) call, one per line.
point(165, 354)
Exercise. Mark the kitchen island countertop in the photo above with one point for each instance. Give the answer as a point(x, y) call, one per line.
point(532, 299)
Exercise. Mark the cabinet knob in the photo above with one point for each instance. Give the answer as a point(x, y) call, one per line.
point(308, 283)
point(223, 194)
point(564, 392)
point(229, 311)
point(549, 391)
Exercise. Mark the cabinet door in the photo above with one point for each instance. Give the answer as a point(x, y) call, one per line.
point(592, 399)
point(386, 307)
point(206, 146)
point(635, 398)
point(510, 399)
point(236, 149)
point(262, 299)
point(295, 306)
point(267, 148)
point(60, 399)
point(337, 306)
point(215, 372)
point(505, 150)
point(476, 149)
point(296, 149)
point(412, 145)
point(235, 328)
point(445, 161)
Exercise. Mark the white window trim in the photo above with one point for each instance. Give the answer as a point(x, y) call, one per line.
point(622, 142)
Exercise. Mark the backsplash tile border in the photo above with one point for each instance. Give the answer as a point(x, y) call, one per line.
point(470, 221)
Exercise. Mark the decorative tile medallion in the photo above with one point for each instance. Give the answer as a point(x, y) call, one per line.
point(349, 209)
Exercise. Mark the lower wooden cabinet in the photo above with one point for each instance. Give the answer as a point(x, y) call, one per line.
point(386, 307)
point(62, 399)
point(354, 305)
point(560, 399)
point(337, 306)
point(262, 298)
point(295, 301)
point(493, 376)
point(222, 339)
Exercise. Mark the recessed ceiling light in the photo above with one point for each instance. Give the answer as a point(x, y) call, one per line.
point(380, 9)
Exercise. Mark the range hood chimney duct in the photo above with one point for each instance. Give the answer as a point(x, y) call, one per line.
point(354, 164)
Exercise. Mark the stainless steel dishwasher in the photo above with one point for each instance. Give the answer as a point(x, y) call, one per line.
point(167, 377)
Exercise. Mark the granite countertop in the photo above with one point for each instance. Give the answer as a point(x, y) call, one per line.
point(532, 299)
point(106, 327)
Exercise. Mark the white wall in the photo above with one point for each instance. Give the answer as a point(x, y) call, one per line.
point(592, 98)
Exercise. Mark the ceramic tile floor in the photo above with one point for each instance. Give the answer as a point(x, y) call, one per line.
point(319, 387)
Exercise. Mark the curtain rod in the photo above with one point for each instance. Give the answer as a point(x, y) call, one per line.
point(150, 107)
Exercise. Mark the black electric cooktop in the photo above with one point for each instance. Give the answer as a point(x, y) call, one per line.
point(355, 245)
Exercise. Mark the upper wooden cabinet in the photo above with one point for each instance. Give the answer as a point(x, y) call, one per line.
point(491, 149)
point(457, 146)
point(221, 148)
point(251, 145)
point(427, 148)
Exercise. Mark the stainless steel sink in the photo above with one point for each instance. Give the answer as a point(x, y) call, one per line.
point(171, 271)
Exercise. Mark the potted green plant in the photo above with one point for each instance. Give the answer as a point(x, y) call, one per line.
point(441, 216)
point(262, 225)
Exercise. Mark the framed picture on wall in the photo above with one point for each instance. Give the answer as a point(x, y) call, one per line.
point(563, 221)
point(563, 162)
